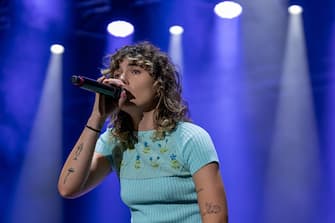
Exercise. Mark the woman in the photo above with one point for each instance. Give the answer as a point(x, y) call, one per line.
point(167, 166)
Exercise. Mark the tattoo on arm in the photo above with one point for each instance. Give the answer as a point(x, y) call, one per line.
point(212, 208)
point(78, 151)
point(69, 171)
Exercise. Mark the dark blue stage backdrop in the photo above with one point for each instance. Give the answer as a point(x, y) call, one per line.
point(261, 84)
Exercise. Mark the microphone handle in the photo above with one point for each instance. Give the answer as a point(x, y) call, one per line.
point(94, 86)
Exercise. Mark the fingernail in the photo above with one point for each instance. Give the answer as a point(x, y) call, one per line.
point(123, 94)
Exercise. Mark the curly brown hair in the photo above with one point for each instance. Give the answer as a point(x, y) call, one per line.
point(170, 108)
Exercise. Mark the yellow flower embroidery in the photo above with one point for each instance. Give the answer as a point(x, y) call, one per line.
point(174, 162)
point(163, 149)
point(146, 148)
point(137, 162)
point(154, 162)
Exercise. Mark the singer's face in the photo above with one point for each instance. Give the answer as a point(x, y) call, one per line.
point(139, 84)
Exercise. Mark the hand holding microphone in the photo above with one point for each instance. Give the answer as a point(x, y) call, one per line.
point(95, 86)
point(103, 106)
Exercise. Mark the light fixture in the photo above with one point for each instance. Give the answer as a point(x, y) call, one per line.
point(295, 9)
point(120, 28)
point(228, 9)
point(176, 30)
point(57, 49)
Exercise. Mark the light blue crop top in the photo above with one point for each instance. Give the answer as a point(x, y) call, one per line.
point(156, 176)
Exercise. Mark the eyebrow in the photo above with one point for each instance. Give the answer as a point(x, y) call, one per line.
point(134, 65)
point(130, 65)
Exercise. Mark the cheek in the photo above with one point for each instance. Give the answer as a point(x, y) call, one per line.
point(147, 94)
point(147, 88)
point(144, 89)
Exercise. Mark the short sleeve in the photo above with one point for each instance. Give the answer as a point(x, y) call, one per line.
point(198, 148)
point(105, 146)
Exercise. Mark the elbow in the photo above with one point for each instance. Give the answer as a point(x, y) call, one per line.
point(66, 192)
point(225, 218)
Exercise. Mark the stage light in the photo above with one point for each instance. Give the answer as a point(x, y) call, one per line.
point(57, 49)
point(295, 148)
point(176, 47)
point(40, 193)
point(295, 9)
point(176, 30)
point(120, 28)
point(228, 9)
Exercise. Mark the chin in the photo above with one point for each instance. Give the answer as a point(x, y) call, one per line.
point(129, 104)
point(128, 107)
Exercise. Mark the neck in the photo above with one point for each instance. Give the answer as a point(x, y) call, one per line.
point(144, 121)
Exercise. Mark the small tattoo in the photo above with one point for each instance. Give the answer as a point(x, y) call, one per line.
point(200, 190)
point(78, 151)
point(212, 208)
point(69, 171)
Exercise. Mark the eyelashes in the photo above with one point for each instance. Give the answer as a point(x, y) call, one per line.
point(132, 71)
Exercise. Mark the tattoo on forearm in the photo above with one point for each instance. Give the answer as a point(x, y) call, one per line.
point(78, 151)
point(212, 208)
point(69, 171)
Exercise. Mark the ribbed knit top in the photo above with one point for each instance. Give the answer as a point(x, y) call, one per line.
point(156, 176)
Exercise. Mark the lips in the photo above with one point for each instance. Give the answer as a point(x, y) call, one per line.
point(130, 96)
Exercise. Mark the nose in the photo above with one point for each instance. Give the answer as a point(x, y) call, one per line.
point(123, 78)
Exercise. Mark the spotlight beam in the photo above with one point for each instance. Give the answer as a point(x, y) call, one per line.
point(293, 178)
point(36, 198)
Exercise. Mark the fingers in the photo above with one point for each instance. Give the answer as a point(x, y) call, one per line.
point(100, 79)
point(123, 98)
point(118, 83)
point(103, 105)
point(112, 81)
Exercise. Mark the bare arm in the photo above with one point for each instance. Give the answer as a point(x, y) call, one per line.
point(211, 194)
point(83, 168)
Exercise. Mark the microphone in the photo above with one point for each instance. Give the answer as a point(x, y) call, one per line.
point(94, 86)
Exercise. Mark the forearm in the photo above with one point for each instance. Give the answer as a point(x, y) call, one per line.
point(211, 194)
point(77, 167)
point(214, 213)
point(214, 210)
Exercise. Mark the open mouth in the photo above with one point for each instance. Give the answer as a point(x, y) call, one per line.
point(130, 96)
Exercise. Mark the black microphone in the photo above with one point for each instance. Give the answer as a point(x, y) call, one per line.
point(94, 86)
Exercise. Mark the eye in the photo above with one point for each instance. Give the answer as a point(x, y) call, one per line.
point(135, 71)
point(117, 75)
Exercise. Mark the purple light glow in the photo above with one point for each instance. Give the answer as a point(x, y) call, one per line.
point(41, 14)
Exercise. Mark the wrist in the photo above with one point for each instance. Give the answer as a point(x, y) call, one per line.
point(96, 122)
point(93, 129)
